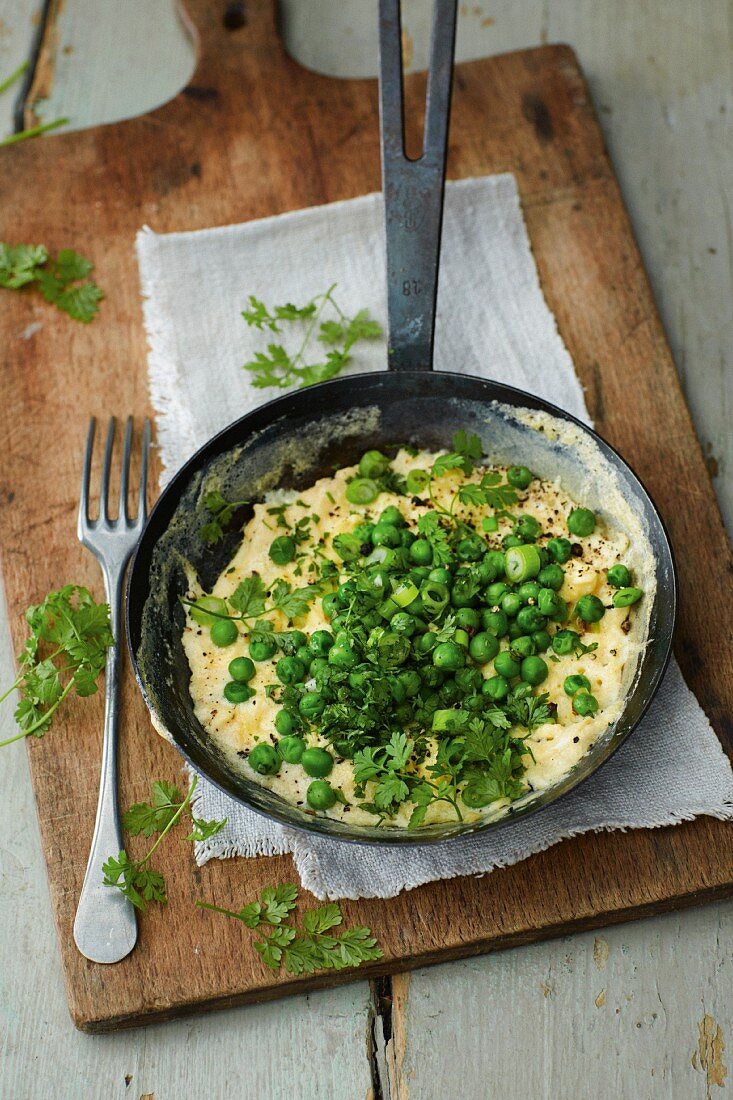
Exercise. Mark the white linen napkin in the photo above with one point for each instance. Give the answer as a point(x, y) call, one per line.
point(492, 320)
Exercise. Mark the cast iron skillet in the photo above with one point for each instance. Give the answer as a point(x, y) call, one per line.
point(292, 441)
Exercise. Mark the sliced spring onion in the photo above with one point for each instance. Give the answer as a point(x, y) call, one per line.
point(521, 563)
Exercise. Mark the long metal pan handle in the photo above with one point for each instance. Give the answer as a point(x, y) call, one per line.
point(413, 189)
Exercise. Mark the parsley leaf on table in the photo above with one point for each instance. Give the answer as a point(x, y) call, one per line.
point(59, 281)
point(65, 651)
point(315, 946)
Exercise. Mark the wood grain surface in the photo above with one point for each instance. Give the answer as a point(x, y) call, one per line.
point(252, 135)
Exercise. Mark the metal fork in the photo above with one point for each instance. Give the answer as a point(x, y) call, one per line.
point(105, 928)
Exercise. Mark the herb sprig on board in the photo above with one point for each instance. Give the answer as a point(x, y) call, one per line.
point(66, 650)
point(136, 879)
point(62, 281)
point(276, 367)
point(315, 946)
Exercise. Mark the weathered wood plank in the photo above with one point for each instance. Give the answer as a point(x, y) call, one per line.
point(18, 24)
point(93, 70)
point(643, 1010)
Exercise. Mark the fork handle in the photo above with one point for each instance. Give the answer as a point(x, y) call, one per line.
point(105, 928)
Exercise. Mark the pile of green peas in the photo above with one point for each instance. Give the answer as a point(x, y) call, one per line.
point(505, 605)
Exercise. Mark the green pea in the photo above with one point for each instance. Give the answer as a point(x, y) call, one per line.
point(496, 688)
point(207, 610)
point(469, 679)
point(312, 705)
point(531, 619)
point(565, 642)
point(561, 614)
point(291, 749)
point(581, 522)
point(385, 534)
point(426, 643)
point(392, 516)
point(441, 575)
point(486, 570)
point(515, 630)
point(548, 602)
point(344, 748)
point(527, 528)
point(320, 642)
point(510, 541)
point(317, 762)
point(448, 655)
point(534, 670)
point(619, 576)
point(417, 480)
point(348, 546)
point(463, 593)
point(362, 490)
point(560, 550)
point(625, 597)
point(342, 656)
point(590, 609)
point(224, 633)
point(522, 690)
point(552, 576)
point(290, 670)
point(421, 552)
point(505, 665)
point(373, 464)
point(305, 654)
point(495, 622)
point(521, 563)
point(496, 557)
point(286, 723)
point(432, 677)
point(241, 669)
point(340, 621)
point(519, 477)
point(329, 605)
point(576, 682)
point(471, 549)
point(264, 760)
point(523, 646)
point(468, 618)
point(320, 795)
point(529, 590)
point(483, 647)
point(495, 592)
point(585, 704)
point(317, 667)
point(282, 549)
point(450, 693)
point(237, 693)
point(511, 604)
point(542, 640)
point(364, 532)
point(403, 623)
point(262, 650)
point(410, 680)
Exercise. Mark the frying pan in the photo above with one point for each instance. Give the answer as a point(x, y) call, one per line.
point(291, 442)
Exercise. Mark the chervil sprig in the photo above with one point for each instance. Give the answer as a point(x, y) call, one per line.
point(277, 367)
point(304, 950)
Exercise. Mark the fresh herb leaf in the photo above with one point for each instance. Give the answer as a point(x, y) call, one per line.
point(135, 878)
point(59, 280)
point(249, 597)
point(65, 651)
point(302, 950)
point(276, 367)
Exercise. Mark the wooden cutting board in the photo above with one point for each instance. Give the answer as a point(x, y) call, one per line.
point(254, 134)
